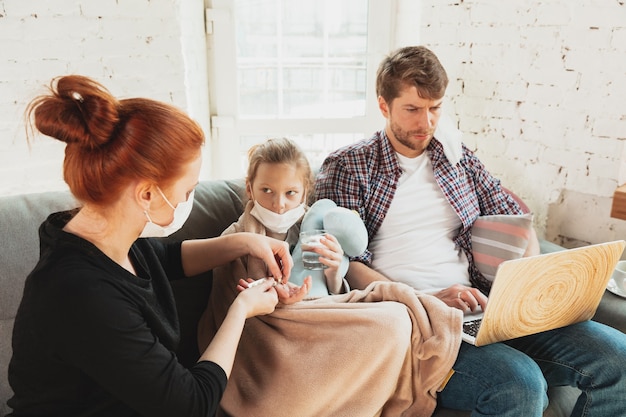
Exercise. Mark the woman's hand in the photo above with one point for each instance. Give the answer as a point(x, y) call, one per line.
point(288, 293)
point(462, 297)
point(275, 254)
point(258, 299)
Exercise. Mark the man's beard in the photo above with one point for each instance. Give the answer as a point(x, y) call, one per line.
point(404, 137)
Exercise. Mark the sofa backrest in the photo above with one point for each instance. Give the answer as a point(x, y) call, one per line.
point(217, 204)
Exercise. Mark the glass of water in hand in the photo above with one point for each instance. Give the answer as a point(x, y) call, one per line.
point(308, 240)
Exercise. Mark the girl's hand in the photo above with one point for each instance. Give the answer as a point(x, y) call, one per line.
point(289, 293)
point(258, 299)
point(274, 252)
point(331, 256)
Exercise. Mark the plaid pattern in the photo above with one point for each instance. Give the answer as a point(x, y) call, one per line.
point(363, 176)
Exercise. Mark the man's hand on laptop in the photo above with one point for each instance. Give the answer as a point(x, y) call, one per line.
point(464, 298)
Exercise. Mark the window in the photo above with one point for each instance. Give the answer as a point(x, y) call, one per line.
point(294, 68)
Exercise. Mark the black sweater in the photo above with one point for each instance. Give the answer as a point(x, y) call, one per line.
point(92, 339)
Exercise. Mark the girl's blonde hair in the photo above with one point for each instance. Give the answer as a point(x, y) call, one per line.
point(280, 151)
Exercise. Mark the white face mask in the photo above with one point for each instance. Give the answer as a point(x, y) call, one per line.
point(181, 214)
point(277, 223)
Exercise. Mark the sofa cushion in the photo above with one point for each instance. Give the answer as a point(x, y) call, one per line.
point(499, 238)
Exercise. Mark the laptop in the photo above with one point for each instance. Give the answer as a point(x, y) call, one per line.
point(544, 292)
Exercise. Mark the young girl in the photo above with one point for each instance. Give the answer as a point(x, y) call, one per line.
point(278, 182)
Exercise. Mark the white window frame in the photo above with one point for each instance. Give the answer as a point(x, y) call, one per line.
point(226, 127)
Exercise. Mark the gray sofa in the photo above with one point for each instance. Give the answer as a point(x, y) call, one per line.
point(217, 204)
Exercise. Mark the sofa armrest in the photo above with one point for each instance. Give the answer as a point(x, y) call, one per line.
point(612, 311)
point(549, 247)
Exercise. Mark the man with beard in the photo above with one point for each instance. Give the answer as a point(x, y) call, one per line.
point(419, 190)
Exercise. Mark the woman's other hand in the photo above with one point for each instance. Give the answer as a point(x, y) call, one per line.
point(274, 252)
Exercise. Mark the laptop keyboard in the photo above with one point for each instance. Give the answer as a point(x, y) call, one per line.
point(471, 327)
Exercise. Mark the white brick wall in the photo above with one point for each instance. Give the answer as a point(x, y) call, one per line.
point(538, 88)
point(134, 47)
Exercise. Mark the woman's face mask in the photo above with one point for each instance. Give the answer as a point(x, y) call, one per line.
point(277, 223)
point(181, 214)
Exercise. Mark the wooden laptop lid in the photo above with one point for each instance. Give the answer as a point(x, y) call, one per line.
point(544, 292)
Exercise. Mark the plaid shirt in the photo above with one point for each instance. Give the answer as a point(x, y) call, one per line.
point(363, 176)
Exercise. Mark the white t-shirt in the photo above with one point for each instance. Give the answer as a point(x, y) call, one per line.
point(414, 244)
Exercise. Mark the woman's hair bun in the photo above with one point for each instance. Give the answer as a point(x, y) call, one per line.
point(78, 110)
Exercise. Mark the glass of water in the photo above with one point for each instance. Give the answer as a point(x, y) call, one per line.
point(309, 240)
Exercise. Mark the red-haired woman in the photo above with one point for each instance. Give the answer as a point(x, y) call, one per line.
point(97, 325)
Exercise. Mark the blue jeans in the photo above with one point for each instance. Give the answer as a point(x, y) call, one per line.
point(511, 378)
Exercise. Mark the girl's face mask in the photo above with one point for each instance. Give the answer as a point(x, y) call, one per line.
point(277, 223)
point(181, 214)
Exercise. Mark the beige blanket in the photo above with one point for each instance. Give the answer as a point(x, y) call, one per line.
point(382, 351)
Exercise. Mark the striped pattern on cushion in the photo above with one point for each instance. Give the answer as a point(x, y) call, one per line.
point(498, 238)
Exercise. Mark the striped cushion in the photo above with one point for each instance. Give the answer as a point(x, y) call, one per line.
point(499, 238)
